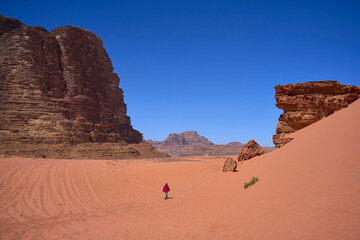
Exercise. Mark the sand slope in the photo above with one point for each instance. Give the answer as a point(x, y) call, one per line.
point(309, 189)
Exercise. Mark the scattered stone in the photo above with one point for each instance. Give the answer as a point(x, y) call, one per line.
point(229, 165)
point(251, 150)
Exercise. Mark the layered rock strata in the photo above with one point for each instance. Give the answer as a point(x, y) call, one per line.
point(307, 103)
point(58, 87)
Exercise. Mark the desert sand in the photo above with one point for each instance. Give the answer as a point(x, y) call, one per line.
point(308, 189)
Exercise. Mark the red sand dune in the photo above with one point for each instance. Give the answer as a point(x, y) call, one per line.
point(309, 189)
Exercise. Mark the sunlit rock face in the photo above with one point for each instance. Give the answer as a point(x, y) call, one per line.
point(307, 103)
point(252, 149)
point(59, 86)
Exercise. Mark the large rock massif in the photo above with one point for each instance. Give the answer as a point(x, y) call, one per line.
point(182, 139)
point(59, 87)
point(307, 103)
point(190, 143)
point(187, 138)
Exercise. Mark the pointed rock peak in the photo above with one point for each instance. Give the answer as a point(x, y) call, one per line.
point(251, 150)
point(193, 138)
point(175, 139)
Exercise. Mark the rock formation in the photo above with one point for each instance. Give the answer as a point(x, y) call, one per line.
point(59, 87)
point(154, 142)
point(175, 139)
point(190, 143)
point(229, 165)
point(186, 138)
point(251, 150)
point(193, 138)
point(306, 103)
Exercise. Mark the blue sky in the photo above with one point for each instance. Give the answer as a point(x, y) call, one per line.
point(211, 66)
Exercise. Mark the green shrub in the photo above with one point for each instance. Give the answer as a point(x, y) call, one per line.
point(252, 182)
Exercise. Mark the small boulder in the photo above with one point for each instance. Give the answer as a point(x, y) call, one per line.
point(251, 149)
point(230, 165)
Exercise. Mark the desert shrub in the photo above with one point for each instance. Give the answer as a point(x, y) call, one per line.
point(267, 150)
point(252, 182)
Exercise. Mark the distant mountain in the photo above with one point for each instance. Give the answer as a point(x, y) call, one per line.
point(190, 143)
point(186, 138)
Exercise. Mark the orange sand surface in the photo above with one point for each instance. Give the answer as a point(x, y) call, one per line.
point(309, 189)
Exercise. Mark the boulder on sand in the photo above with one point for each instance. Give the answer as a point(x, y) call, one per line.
point(251, 149)
point(230, 165)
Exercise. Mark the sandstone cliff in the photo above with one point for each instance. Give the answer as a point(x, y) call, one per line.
point(306, 103)
point(59, 87)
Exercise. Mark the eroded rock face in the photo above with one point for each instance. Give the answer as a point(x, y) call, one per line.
point(251, 150)
point(229, 165)
point(59, 86)
point(307, 103)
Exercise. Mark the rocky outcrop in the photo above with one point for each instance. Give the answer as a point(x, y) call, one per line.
point(307, 103)
point(229, 165)
point(184, 138)
point(58, 87)
point(106, 150)
point(251, 150)
point(281, 139)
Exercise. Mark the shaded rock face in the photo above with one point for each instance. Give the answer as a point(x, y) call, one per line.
point(59, 86)
point(251, 150)
point(229, 165)
point(307, 103)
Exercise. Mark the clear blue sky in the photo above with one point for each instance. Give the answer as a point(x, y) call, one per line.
point(211, 66)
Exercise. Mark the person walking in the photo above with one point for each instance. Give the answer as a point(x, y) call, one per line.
point(166, 189)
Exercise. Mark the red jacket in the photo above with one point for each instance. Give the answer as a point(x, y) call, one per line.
point(166, 188)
